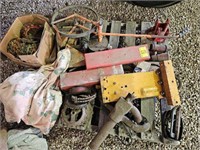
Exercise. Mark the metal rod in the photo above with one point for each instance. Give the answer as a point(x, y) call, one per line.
point(83, 27)
point(87, 20)
point(63, 19)
point(70, 32)
point(137, 35)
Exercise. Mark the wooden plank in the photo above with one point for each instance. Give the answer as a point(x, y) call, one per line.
point(105, 25)
point(130, 29)
point(117, 56)
point(148, 111)
point(147, 105)
point(144, 27)
point(115, 28)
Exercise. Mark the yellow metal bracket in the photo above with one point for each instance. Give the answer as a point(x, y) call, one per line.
point(169, 83)
point(142, 85)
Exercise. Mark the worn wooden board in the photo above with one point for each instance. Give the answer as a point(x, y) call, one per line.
point(130, 29)
point(105, 25)
point(115, 28)
point(147, 104)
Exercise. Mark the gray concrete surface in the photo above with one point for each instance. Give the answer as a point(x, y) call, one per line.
point(185, 55)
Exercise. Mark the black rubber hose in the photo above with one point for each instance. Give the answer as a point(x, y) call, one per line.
point(155, 4)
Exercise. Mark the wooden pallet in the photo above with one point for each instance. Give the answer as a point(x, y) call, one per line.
point(147, 106)
point(117, 27)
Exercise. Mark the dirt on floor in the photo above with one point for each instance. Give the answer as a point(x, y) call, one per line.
point(185, 54)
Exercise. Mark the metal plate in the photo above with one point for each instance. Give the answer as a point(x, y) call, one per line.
point(143, 85)
point(95, 45)
point(87, 77)
point(117, 56)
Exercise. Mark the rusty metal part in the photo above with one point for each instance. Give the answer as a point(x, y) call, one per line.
point(83, 27)
point(75, 16)
point(160, 57)
point(121, 108)
point(71, 104)
point(87, 77)
point(30, 30)
point(149, 36)
point(79, 97)
point(84, 124)
point(95, 45)
point(79, 90)
point(83, 98)
point(64, 41)
point(169, 83)
point(172, 125)
point(160, 29)
point(122, 127)
point(22, 46)
point(158, 47)
point(136, 127)
point(74, 117)
point(136, 114)
point(137, 123)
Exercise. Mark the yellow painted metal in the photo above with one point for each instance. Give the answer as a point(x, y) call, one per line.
point(169, 83)
point(143, 85)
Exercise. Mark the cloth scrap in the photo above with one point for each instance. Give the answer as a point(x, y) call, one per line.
point(34, 96)
point(29, 139)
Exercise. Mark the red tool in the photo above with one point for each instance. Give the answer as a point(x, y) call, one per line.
point(117, 56)
point(160, 29)
point(87, 77)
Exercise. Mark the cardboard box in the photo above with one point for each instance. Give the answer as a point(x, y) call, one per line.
point(46, 45)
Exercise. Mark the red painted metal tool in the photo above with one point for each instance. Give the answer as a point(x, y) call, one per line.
point(160, 29)
point(117, 56)
point(87, 77)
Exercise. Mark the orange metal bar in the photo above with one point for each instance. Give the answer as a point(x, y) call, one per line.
point(63, 19)
point(83, 27)
point(137, 35)
point(90, 21)
point(66, 38)
point(101, 34)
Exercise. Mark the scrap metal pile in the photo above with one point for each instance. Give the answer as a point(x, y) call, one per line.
point(117, 74)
